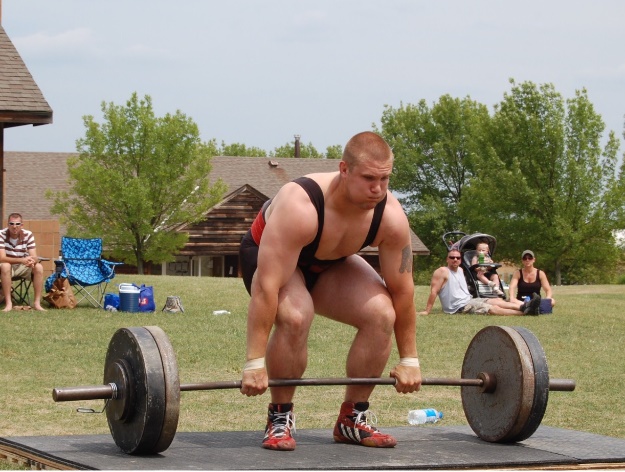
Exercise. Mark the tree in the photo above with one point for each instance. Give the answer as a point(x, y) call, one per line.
point(334, 152)
point(238, 149)
point(546, 186)
point(288, 150)
point(436, 151)
point(136, 179)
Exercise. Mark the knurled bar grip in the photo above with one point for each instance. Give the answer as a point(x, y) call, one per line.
point(107, 392)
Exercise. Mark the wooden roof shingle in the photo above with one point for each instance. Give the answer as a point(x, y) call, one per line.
point(21, 101)
point(266, 174)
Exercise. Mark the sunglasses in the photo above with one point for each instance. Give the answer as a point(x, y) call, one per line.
point(527, 258)
point(15, 224)
point(457, 258)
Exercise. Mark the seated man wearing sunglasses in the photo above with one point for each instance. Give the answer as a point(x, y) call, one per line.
point(449, 284)
point(18, 259)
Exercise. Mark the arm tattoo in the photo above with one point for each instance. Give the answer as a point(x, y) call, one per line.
point(406, 260)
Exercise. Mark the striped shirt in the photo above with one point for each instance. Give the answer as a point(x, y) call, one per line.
point(20, 247)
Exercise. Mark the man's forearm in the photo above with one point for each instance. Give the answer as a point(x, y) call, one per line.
point(260, 319)
point(430, 303)
point(406, 333)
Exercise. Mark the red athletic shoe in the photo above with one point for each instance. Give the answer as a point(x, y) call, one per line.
point(353, 427)
point(280, 423)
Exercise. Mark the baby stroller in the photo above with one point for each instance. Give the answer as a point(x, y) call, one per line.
point(467, 244)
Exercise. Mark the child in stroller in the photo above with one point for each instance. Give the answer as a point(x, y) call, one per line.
point(486, 274)
point(479, 282)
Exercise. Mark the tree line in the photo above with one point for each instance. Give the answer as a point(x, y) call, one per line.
point(537, 173)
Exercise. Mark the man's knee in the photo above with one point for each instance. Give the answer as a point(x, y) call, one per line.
point(295, 321)
point(382, 316)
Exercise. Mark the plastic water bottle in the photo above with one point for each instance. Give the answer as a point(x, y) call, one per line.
point(480, 258)
point(221, 312)
point(428, 415)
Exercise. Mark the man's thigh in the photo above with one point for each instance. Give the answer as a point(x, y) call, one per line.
point(21, 271)
point(350, 292)
point(478, 306)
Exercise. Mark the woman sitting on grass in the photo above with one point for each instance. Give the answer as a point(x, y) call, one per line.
point(529, 280)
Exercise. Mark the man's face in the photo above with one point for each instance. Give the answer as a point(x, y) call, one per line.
point(15, 224)
point(368, 182)
point(453, 259)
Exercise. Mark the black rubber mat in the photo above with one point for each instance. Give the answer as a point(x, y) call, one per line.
point(425, 447)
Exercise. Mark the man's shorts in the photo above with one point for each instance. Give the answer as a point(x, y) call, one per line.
point(21, 271)
point(477, 306)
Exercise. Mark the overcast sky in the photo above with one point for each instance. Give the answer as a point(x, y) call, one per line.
point(259, 71)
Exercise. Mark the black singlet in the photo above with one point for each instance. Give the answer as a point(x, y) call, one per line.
point(311, 266)
point(307, 256)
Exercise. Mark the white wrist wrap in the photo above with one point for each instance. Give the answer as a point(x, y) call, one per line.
point(409, 361)
point(254, 364)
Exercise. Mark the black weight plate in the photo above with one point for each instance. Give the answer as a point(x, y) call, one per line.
point(541, 388)
point(172, 388)
point(502, 352)
point(139, 432)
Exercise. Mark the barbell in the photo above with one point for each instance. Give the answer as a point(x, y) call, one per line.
point(504, 387)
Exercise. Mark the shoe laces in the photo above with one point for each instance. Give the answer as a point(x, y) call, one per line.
point(282, 422)
point(367, 419)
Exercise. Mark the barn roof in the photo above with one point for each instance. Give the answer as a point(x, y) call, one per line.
point(21, 101)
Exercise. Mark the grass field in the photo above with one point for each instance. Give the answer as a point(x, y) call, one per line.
point(582, 340)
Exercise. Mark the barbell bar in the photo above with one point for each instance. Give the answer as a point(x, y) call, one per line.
point(110, 392)
point(504, 386)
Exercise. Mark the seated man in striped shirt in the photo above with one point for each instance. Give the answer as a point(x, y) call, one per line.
point(18, 258)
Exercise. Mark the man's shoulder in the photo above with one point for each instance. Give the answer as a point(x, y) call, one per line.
point(394, 220)
point(444, 271)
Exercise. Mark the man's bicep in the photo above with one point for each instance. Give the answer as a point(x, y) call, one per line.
point(396, 262)
point(281, 244)
point(276, 263)
point(438, 280)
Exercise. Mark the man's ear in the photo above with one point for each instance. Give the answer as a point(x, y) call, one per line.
point(342, 168)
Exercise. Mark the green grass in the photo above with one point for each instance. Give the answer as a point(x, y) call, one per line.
point(582, 340)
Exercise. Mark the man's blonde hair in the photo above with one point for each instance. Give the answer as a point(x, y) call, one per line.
point(364, 146)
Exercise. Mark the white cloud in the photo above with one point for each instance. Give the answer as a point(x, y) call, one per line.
point(142, 52)
point(44, 44)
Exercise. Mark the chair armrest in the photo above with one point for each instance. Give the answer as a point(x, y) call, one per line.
point(111, 262)
point(81, 259)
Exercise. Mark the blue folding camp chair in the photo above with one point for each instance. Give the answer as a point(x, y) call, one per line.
point(83, 266)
